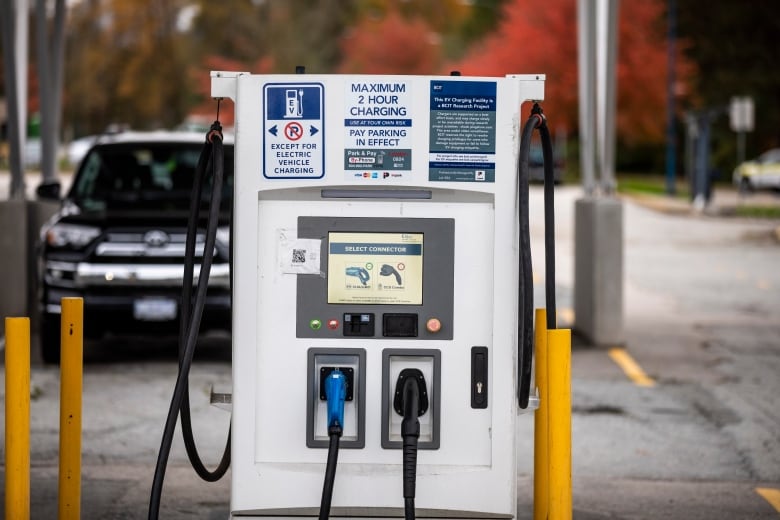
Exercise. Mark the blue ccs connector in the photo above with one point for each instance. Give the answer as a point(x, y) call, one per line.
point(336, 393)
point(360, 273)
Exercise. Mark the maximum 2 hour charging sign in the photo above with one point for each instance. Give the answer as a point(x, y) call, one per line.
point(293, 131)
point(378, 123)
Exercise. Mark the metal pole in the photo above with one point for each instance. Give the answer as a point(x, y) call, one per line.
point(706, 177)
point(586, 23)
point(541, 418)
point(17, 418)
point(740, 147)
point(16, 163)
point(609, 88)
point(71, 368)
point(45, 88)
point(51, 48)
point(691, 131)
point(671, 134)
point(22, 45)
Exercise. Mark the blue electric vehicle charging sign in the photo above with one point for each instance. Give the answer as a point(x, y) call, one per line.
point(462, 131)
point(293, 131)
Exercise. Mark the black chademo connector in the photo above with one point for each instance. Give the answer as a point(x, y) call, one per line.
point(411, 401)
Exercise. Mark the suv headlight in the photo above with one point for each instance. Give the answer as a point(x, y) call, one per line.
point(71, 235)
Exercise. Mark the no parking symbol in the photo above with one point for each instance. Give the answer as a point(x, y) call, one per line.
point(293, 131)
point(293, 136)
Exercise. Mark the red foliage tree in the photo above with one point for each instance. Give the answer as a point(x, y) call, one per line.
point(205, 110)
point(540, 36)
point(390, 45)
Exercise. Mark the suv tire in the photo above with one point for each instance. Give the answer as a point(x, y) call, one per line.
point(50, 340)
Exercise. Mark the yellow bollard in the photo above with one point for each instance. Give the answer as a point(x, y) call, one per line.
point(71, 366)
point(17, 418)
point(559, 435)
point(541, 455)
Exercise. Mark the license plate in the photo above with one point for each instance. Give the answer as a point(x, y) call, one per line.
point(155, 310)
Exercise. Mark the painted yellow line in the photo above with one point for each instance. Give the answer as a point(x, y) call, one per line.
point(770, 495)
point(630, 367)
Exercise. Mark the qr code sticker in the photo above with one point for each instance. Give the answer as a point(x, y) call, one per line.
point(299, 256)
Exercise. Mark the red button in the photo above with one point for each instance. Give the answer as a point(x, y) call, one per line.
point(433, 325)
point(333, 324)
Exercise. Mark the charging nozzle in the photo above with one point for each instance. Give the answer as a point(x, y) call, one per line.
point(336, 393)
point(411, 401)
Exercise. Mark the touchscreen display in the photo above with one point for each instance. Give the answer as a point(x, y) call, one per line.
point(375, 268)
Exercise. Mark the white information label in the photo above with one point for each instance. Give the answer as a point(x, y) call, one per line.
point(378, 129)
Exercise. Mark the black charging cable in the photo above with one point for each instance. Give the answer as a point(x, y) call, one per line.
point(525, 294)
point(410, 401)
point(549, 218)
point(334, 433)
point(410, 433)
point(213, 155)
point(206, 162)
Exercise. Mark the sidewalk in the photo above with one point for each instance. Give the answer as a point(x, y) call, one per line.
point(725, 203)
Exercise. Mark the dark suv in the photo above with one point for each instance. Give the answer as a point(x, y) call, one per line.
point(118, 240)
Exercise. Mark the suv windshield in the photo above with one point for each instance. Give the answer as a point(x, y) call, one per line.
point(144, 175)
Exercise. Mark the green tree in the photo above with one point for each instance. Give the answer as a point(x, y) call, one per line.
point(307, 32)
point(127, 64)
point(736, 49)
point(232, 29)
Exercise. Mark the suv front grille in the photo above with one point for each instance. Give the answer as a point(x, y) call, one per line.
point(151, 244)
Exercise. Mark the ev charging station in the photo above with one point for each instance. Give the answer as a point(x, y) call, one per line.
point(375, 231)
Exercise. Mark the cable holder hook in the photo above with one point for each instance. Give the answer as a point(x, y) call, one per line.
point(216, 127)
point(538, 113)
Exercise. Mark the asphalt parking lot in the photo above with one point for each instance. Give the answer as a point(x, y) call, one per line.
point(701, 442)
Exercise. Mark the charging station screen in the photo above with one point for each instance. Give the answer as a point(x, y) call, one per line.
point(375, 268)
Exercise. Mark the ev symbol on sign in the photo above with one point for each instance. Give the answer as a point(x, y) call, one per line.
point(293, 131)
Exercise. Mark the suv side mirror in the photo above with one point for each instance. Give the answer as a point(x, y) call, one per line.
point(48, 191)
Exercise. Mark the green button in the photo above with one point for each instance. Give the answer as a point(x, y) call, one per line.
point(315, 324)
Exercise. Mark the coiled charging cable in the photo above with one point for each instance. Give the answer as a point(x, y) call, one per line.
point(211, 155)
point(525, 294)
